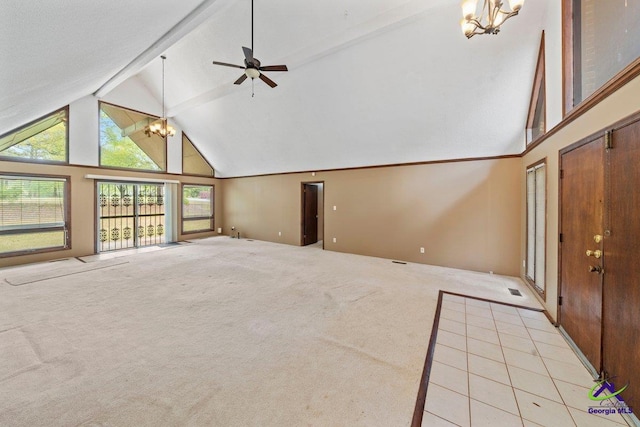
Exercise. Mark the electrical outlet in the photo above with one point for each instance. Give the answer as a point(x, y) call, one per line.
point(524, 263)
point(421, 250)
point(279, 233)
point(335, 240)
point(219, 230)
point(334, 208)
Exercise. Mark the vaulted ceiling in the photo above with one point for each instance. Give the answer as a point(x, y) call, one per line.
point(370, 82)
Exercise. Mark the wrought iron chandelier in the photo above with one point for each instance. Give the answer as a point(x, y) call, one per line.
point(161, 127)
point(490, 19)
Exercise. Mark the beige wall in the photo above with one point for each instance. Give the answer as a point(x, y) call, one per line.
point(465, 214)
point(83, 205)
point(619, 105)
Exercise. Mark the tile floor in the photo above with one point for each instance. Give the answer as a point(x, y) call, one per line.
point(497, 365)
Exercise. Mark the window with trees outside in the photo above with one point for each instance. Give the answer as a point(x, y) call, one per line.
point(124, 143)
point(42, 140)
point(34, 214)
point(197, 208)
point(536, 225)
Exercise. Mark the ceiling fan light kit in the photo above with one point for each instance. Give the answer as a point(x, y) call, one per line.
point(491, 17)
point(252, 66)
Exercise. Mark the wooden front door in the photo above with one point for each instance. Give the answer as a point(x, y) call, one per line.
point(309, 214)
point(622, 264)
point(582, 198)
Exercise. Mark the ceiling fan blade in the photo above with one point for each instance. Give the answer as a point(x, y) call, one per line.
point(248, 54)
point(240, 80)
point(267, 80)
point(274, 68)
point(228, 65)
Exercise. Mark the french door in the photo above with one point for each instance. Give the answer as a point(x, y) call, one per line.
point(599, 306)
point(130, 215)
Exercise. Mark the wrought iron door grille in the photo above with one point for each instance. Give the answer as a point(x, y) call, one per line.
point(124, 208)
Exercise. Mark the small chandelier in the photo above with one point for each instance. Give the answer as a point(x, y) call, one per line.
point(160, 127)
point(490, 19)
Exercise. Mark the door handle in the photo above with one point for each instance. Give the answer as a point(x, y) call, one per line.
point(595, 269)
point(597, 253)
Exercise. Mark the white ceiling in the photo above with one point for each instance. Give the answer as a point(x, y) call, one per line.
point(370, 81)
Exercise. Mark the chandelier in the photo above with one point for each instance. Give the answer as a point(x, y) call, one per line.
point(490, 19)
point(161, 127)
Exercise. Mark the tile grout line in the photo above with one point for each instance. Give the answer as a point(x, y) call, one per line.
point(466, 343)
point(509, 373)
point(547, 369)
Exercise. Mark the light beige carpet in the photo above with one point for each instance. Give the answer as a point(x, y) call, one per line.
point(225, 332)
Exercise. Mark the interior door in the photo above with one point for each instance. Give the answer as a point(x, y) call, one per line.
point(622, 265)
point(309, 214)
point(582, 186)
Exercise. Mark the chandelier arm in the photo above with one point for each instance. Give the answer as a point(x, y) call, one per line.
point(509, 15)
point(476, 22)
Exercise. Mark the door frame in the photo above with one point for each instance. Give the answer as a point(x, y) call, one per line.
point(302, 184)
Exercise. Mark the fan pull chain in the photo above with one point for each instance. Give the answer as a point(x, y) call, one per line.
point(253, 88)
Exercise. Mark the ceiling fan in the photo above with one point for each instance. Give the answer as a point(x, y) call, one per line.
point(252, 66)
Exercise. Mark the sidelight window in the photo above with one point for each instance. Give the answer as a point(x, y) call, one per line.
point(536, 225)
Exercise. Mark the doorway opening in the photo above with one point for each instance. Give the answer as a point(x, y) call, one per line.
point(312, 214)
point(129, 215)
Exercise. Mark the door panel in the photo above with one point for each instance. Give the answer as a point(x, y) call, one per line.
point(310, 214)
point(582, 187)
point(621, 315)
point(130, 215)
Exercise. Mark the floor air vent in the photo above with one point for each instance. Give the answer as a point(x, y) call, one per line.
point(515, 292)
point(399, 262)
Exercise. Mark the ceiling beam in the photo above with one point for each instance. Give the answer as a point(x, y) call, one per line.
point(197, 16)
point(387, 21)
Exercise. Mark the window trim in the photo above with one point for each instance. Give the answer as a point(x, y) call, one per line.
point(67, 211)
point(531, 282)
point(569, 110)
point(213, 170)
point(40, 161)
point(213, 211)
point(536, 89)
point(166, 143)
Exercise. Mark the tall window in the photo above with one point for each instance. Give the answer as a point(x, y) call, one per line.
point(34, 214)
point(43, 140)
point(193, 162)
point(536, 123)
point(536, 225)
point(197, 208)
point(124, 143)
point(601, 38)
